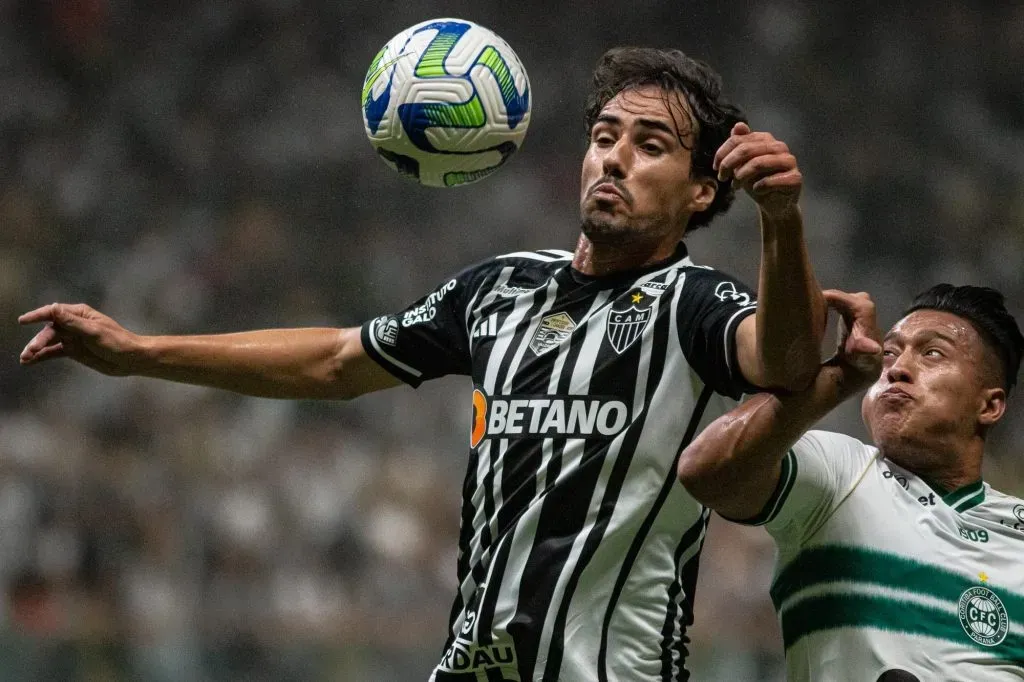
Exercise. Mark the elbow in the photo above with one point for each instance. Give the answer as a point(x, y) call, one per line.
point(796, 380)
point(716, 455)
point(795, 372)
point(334, 376)
point(690, 469)
point(697, 470)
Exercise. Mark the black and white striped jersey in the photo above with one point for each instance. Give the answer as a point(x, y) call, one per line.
point(578, 547)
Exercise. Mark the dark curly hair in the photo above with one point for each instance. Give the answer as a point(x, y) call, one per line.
point(621, 68)
point(985, 309)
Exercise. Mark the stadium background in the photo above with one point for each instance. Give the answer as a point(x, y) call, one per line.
point(200, 166)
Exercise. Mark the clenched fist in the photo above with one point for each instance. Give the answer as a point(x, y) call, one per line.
point(761, 165)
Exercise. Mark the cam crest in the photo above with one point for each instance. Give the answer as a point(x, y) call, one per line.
point(626, 326)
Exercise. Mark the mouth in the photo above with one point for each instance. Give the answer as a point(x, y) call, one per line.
point(896, 394)
point(607, 191)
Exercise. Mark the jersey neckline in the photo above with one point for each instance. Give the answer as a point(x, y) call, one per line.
point(570, 276)
point(963, 498)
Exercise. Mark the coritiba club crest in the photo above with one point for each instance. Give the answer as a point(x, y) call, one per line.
point(983, 616)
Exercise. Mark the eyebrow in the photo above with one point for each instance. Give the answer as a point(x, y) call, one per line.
point(652, 123)
point(921, 337)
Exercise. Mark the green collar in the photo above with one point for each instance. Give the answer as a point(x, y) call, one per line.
point(963, 498)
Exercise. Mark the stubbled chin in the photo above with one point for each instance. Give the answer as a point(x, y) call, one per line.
point(887, 423)
point(600, 226)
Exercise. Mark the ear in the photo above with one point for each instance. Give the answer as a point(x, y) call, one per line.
point(992, 407)
point(702, 194)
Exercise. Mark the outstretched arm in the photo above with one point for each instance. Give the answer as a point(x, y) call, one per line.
point(733, 466)
point(313, 363)
point(779, 347)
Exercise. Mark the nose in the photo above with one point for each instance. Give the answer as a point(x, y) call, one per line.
point(616, 160)
point(899, 370)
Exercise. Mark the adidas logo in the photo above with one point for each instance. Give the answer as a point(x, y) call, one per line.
point(488, 327)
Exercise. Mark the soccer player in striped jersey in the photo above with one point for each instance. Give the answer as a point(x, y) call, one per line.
point(590, 370)
point(896, 562)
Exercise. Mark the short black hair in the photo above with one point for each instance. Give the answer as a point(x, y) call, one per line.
point(622, 68)
point(985, 308)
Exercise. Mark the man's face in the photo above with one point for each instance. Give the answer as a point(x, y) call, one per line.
point(934, 385)
point(636, 181)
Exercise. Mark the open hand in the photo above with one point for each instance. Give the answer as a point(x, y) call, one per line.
point(80, 333)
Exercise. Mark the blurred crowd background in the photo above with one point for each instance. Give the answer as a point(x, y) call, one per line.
point(200, 166)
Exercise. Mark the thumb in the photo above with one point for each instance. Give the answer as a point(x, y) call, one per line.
point(862, 345)
point(741, 128)
point(844, 303)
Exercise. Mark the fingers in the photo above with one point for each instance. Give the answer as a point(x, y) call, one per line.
point(55, 350)
point(742, 146)
point(44, 345)
point(43, 314)
point(736, 136)
point(763, 165)
point(863, 345)
point(752, 146)
point(791, 179)
point(70, 315)
point(847, 303)
point(44, 338)
point(859, 338)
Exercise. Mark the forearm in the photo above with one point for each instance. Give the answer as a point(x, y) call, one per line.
point(791, 311)
point(276, 363)
point(733, 465)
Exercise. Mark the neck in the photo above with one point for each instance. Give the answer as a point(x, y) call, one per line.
point(598, 259)
point(951, 468)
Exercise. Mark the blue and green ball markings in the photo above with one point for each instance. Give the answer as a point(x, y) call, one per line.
point(417, 117)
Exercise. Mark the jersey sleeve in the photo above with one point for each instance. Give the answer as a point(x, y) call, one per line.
point(428, 339)
point(711, 308)
point(818, 472)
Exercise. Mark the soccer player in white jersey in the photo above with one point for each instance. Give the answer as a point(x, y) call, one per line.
point(896, 562)
point(578, 548)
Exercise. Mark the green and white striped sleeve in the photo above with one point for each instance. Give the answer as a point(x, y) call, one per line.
point(817, 473)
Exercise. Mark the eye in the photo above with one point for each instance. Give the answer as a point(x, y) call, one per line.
point(602, 136)
point(933, 353)
point(651, 148)
point(889, 353)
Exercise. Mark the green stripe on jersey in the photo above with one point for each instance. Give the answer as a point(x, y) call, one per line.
point(834, 563)
point(891, 615)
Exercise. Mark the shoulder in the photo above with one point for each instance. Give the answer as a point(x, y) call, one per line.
point(1008, 506)
point(714, 285)
point(540, 255)
point(529, 265)
point(846, 456)
point(836, 442)
point(517, 267)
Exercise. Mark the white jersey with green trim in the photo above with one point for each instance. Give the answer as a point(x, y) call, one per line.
point(882, 577)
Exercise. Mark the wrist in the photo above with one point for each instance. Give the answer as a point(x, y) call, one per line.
point(786, 216)
point(142, 353)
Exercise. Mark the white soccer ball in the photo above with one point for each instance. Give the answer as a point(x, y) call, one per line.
point(446, 102)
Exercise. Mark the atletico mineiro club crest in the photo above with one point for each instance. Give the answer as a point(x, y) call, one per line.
point(626, 326)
